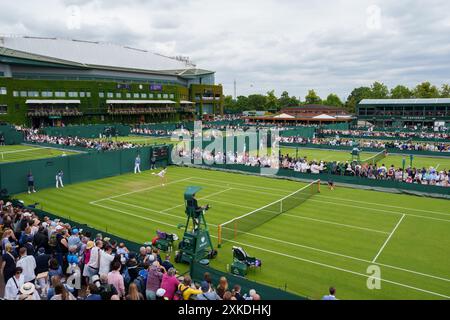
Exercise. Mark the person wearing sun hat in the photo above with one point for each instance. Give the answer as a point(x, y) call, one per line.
point(28, 292)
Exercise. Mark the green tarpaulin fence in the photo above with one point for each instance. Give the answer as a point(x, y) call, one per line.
point(11, 135)
point(76, 168)
point(88, 131)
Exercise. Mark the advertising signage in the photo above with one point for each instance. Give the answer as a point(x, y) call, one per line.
point(156, 87)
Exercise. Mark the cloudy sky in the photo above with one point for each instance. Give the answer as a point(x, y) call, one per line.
point(293, 45)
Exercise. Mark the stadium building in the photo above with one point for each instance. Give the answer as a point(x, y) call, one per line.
point(49, 81)
point(431, 113)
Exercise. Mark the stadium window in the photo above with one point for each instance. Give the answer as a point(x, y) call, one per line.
point(88, 94)
point(110, 95)
point(165, 95)
point(82, 94)
point(3, 109)
point(144, 95)
point(150, 95)
point(158, 95)
point(136, 95)
point(23, 93)
point(60, 94)
point(3, 90)
point(128, 95)
point(73, 94)
point(118, 95)
point(33, 94)
point(101, 94)
point(15, 93)
point(172, 96)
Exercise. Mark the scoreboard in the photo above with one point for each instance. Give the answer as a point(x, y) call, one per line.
point(160, 152)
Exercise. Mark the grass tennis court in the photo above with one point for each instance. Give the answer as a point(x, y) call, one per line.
point(144, 140)
point(15, 153)
point(441, 163)
point(331, 239)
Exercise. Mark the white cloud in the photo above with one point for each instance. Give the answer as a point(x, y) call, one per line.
point(332, 46)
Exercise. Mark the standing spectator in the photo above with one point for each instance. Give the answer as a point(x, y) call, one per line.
point(59, 179)
point(237, 292)
point(170, 283)
point(28, 264)
point(13, 285)
point(152, 163)
point(137, 164)
point(106, 290)
point(106, 258)
point(8, 266)
point(74, 239)
point(94, 259)
point(154, 279)
point(28, 292)
point(330, 296)
point(116, 279)
point(61, 293)
point(30, 180)
point(187, 289)
point(92, 293)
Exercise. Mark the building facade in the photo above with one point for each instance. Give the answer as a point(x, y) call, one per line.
point(47, 81)
point(431, 113)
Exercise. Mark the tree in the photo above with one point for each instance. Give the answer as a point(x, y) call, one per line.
point(284, 100)
point(356, 96)
point(257, 102)
point(445, 91)
point(312, 98)
point(242, 103)
point(229, 105)
point(333, 100)
point(379, 91)
point(426, 90)
point(271, 101)
point(401, 92)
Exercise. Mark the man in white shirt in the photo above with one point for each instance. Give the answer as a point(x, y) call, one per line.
point(28, 264)
point(94, 260)
point(106, 258)
point(331, 296)
point(12, 288)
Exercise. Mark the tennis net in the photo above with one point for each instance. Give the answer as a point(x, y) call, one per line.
point(376, 158)
point(243, 224)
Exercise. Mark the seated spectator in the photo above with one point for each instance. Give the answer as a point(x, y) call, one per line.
point(330, 296)
point(207, 294)
point(28, 292)
point(133, 293)
point(187, 289)
point(222, 287)
point(61, 293)
point(92, 293)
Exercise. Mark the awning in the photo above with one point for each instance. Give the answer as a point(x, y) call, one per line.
point(324, 117)
point(52, 102)
point(284, 116)
point(140, 102)
point(186, 102)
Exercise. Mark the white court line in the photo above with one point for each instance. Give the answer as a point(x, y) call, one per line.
point(289, 256)
point(205, 197)
point(305, 218)
point(293, 244)
point(337, 198)
point(387, 240)
point(340, 204)
point(139, 190)
point(438, 165)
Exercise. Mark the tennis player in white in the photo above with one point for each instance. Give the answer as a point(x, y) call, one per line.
point(162, 175)
point(137, 164)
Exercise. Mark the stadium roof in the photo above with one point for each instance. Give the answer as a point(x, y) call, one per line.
point(89, 54)
point(406, 101)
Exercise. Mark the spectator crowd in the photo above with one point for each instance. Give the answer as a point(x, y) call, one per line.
point(47, 259)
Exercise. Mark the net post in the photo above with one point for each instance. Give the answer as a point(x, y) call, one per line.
point(219, 236)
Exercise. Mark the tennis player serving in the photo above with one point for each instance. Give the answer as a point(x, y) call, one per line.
point(162, 175)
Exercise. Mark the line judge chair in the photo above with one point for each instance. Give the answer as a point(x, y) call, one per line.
point(242, 262)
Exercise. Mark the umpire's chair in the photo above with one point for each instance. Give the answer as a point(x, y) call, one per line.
point(242, 262)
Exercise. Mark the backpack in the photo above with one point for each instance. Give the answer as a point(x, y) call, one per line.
point(179, 293)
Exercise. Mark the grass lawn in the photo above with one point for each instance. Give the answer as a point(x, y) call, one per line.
point(441, 163)
point(144, 140)
point(331, 239)
point(15, 153)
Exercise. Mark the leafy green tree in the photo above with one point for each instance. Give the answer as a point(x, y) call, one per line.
point(379, 91)
point(312, 98)
point(333, 100)
point(229, 105)
point(271, 101)
point(284, 100)
point(401, 92)
point(445, 91)
point(242, 103)
point(257, 102)
point(426, 90)
point(356, 96)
